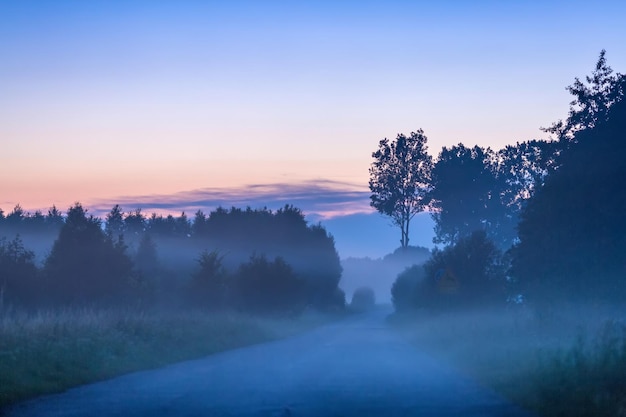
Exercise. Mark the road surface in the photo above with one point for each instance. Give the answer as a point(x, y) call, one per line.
point(356, 367)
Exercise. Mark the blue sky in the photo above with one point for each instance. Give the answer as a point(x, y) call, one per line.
point(127, 100)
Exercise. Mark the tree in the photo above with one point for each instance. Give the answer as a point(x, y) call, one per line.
point(85, 265)
point(591, 102)
point(521, 170)
point(135, 223)
point(404, 289)
point(209, 285)
point(573, 231)
point(146, 258)
point(400, 178)
point(18, 274)
point(263, 286)
point(464, 193)
point(54, 219)
point(467, 273)
point(114, 222)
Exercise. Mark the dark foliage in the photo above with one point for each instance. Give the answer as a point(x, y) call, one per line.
point(464, 192)
point(400, 179)
point(410, 255)
point(573, 232)
point(592, 101)
point(268, 287)
point(363, 299)
point(87, 266)
point(310, 250)
point(404, 291)
point(468, 273)
point(210, 284)
point(19, 277)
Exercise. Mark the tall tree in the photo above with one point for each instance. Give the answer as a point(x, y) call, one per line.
point(592, 100)
point(54, 219)
point(573, 231)
point(464, 193)
point(114, 222)
point(400, 178)
point(85, 265)
point(520, 170)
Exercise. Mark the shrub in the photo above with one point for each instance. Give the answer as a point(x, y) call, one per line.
point(586, 380)
point(469, 273)
point(363, 299)
point(405, 287)
point(19, 282)
point(87, 266)
point(209, 284)
point(271, 287)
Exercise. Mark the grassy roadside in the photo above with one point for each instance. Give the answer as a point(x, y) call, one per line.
point(51, 351)
point(569, 364)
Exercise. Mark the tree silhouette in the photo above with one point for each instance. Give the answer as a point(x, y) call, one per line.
point(18, 274)
point(464, 193)
point(467, 273)
point(54, 219)
point(210, 285)
point(271, 287)
point(399, 179)
point(114, 222)
point(135, 223)
point(573, 231)
point(85, 265)
point(592, 100)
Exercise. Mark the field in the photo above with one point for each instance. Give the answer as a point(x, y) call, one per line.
point(570, 362)
point(51, 351)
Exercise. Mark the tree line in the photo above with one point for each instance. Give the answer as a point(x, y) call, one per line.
point(541, 218)
point(250, 260)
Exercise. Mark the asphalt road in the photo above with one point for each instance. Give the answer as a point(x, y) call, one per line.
point(357, 367)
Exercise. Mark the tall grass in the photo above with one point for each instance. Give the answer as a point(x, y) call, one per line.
point(588, 379)
point(51, 351)
point(567, 364)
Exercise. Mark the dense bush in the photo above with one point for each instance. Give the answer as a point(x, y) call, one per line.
point(405, 287)
point(152, 258)
point(209, 285)
point(573, 231)
point(19, 283)
point(469, 273)
point(270, 287)
point(363, 299)
point(85, 265)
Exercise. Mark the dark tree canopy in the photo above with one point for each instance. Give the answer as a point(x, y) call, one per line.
point(210, 283)
point(85, 265)
point(592, 100)
point(19, 282)
point(464, 192)
point(573, 231)
point(263, 286)
point(400, 179)
point(114, 222)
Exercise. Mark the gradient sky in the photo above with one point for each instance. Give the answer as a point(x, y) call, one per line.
point(104, 101)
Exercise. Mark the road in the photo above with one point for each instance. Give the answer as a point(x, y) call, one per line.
point(356, 367)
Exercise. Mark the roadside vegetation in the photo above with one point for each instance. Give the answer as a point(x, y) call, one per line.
point(568, 364)
point(526, 293)
point(48, 352)
point(98, 298)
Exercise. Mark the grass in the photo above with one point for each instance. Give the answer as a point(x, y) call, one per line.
point(51, 351)
point(567, 364)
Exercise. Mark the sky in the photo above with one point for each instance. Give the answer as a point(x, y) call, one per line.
point(181, 105)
